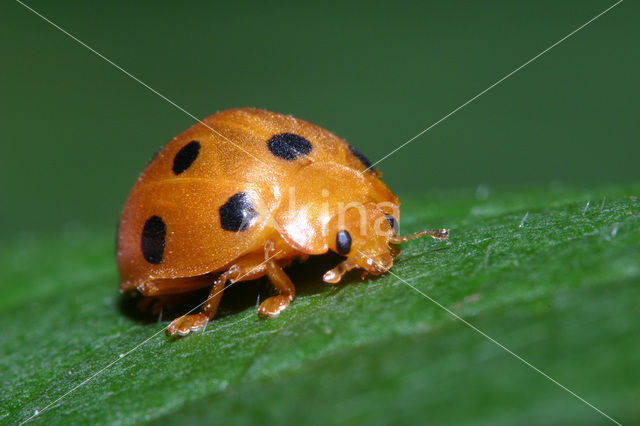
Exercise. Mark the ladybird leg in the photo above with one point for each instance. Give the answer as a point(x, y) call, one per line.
point(272, 306)
point(334, 275)
point(187, 323)
point(162, 287)
point(247, 269)
point(162, 292)
point(370, 265)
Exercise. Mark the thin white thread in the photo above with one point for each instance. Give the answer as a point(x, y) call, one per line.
point(122, 356)
point(476, 329)
point(495, 84)
point(140, 81)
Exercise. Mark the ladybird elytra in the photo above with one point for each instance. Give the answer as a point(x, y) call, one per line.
point(245, 201)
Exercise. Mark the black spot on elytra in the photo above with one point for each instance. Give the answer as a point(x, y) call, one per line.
point(360, 156)
point(393, 223)
point(289, 146)
point(153, 239)
point(237, 213)
point(343, 242)
point(185, 157)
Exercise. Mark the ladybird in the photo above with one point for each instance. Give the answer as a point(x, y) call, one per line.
point(241, 195)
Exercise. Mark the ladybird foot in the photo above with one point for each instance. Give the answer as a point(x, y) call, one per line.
point(186, 324)
point(334, 275)
point(274, 305)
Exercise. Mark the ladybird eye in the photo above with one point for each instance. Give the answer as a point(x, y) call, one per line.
point(343, 242)
point(393, 223)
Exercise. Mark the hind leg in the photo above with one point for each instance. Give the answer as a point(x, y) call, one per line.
point(161, 292)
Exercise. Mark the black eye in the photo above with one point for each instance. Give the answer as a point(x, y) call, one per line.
point(393, 223)
point(343, 242)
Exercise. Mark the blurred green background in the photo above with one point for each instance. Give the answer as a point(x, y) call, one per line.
point(76, 130)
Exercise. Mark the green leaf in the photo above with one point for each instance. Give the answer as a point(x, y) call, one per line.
point(552, 274)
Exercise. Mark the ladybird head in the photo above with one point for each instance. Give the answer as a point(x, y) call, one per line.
point(367, 235)
point(362, 234)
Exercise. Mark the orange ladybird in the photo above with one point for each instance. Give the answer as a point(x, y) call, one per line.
point(241, 195)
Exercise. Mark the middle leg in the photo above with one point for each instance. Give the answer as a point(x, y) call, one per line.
point(284, 287)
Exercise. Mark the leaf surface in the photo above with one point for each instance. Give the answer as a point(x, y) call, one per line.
point(553, 280)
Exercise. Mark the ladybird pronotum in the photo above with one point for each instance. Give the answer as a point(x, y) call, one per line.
point(244, 201)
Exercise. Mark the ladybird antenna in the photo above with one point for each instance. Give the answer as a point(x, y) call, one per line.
point(439, 234)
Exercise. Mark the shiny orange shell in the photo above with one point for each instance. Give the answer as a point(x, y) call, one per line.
point(181, 218)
